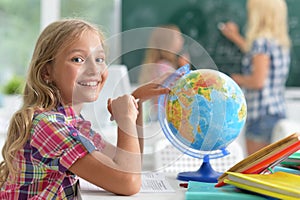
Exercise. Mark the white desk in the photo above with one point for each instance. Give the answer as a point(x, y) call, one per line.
point(152, 134)
point(179, 193)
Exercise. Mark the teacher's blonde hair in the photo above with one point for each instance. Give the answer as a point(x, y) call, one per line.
point(268, 19)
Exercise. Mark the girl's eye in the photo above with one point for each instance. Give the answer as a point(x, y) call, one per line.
point(100, 60)
point(77, 60)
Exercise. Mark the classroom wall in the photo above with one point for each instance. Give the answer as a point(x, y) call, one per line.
point(199, 19)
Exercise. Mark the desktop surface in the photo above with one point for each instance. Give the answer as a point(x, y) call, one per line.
point(178, 194)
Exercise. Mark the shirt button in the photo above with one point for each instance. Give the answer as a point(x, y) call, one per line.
point(74, 134)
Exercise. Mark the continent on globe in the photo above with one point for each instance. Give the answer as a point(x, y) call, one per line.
point(205, 111)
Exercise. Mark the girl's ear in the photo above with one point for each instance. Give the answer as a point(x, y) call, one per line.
point(46, 75)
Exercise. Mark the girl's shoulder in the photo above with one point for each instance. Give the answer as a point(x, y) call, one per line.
point(263, 41)
point(164, 62)
point(46, 117)
point(165, 65)
point(59, 114)
point(264, 45)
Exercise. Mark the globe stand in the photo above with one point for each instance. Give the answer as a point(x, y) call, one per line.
point(204, 174)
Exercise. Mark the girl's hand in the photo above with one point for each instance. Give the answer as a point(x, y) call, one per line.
point(230, 30)
point(149, 90)
point(123, 108)
point(155, 87)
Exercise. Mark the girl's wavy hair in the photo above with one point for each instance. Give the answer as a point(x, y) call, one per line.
point(38, 94)
point(268, 19)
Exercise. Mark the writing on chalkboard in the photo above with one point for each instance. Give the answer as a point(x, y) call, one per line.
point(201, 20)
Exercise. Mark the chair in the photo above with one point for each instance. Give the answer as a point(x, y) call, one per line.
point(169, 159)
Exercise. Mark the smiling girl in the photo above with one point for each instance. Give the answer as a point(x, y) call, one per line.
point(49, 144)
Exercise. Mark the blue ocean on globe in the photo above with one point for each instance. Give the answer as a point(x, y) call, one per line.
point(204, 112)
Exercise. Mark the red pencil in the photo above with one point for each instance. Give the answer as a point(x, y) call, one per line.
point(220, 184)
point(184, 185)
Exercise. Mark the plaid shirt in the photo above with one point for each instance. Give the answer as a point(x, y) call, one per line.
point(58, 139)
point(270, 99)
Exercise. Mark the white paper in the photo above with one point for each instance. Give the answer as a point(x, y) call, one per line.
point(151, 183)
point(155, 182)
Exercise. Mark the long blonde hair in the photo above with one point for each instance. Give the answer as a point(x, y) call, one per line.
point(160, 45)
point(37, 93)
point(269, 19)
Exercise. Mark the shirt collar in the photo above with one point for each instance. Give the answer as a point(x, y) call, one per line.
point(70, 114)
point(78, 121)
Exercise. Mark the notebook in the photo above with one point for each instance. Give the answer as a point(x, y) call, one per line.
point(265, 158)
point(202, 190)
point(279, 184)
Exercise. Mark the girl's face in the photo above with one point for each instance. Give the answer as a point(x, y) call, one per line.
point(178, 42)
point(80, 71)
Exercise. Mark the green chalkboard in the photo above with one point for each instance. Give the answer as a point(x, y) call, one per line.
point(199, 20)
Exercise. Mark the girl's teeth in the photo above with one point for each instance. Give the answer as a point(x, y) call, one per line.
point(89, 83)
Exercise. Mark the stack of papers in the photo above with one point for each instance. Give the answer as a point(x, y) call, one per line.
point(151, 183)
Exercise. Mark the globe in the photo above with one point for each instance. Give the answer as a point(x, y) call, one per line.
point(203, 113)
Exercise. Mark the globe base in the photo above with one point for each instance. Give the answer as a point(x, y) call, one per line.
point(204, 174)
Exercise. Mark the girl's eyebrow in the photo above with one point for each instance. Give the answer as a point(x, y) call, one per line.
point(77, 50)
point(99, 51)
point(83, 51)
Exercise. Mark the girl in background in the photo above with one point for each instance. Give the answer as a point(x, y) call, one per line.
point(265, 67)
point(164, 54)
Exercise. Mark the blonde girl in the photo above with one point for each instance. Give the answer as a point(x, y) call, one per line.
point(49, 144)
point(265, 67)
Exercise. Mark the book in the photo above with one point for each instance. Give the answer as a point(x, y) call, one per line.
point(279, 184)
point(265, 158)
point(280, 168)
point(292, 160)
point(202, 190)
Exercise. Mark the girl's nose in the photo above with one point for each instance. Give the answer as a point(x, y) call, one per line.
point(92, 67)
